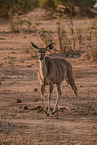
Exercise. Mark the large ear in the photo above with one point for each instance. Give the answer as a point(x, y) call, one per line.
point(36, 47)
point(50, 46)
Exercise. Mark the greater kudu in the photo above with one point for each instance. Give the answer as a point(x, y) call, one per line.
point(53, 71)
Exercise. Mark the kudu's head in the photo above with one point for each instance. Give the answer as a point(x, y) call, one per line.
point(42, 51)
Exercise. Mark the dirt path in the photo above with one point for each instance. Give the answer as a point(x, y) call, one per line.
point(51, 131)
point(24, 123)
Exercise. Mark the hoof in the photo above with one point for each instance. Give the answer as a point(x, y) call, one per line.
point(48, 114)
point(53, 112)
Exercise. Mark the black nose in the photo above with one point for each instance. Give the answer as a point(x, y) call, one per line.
point(41, 58)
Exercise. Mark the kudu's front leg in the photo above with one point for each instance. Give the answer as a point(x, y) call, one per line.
point(49, 98)
point(42, 97)
point(58, 97)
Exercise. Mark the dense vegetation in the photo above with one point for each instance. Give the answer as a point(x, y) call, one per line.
point(17, 5)
point(70, 6)
point(28, 5)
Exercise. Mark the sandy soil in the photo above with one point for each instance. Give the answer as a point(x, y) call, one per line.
point(22, 121)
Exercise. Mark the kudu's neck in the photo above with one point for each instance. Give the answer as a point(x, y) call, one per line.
point(42, 68)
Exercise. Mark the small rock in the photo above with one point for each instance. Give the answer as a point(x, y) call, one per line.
point(25, 107)
point(2, 39)
point(22, 61)
point(35, 89)
point(57, 118)
point(19, 101)
point(35, 100)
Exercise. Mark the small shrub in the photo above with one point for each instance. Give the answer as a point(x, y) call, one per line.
point(90, 54)
point(20, 25)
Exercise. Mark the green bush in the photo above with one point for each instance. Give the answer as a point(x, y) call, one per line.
point(47, 4)
point(23, 5)
point(70, 5)
point(28, 5)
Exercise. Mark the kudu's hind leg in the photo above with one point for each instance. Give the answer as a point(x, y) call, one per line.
point(71, 81)
point(58, 97)
point(49, 98)
point(42, 97)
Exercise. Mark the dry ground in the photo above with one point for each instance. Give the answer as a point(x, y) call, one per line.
point(24, 123)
